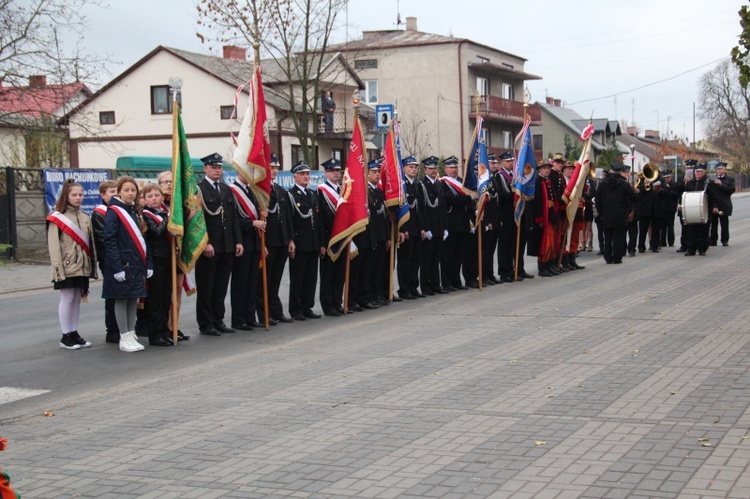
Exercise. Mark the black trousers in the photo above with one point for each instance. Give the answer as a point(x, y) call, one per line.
point(614, 243)
point(696, 237)
point(452, 258)
point(244, 292)
point(429, 265)
point(717, 220)
point(632, 234)
point(470, 269)
point(489, 242)
point(371, 279)
point(159, 298)
point(667, 235)
point(506, 250)
point(407, 265)
point(332, 276)
point(212, 282)
point(303, 279)
point(657, 232)
point(643, 224)
point(275, 263)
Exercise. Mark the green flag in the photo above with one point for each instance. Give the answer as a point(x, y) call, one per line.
point(186, 220)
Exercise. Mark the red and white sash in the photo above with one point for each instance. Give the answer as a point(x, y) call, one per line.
point(101, 209)
point(71, 229)
point(157, 218)
point(453, 183)
point(247, 207)
point(133, 230)
point(330, 195)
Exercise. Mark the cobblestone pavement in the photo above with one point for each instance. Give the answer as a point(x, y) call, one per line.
point(618, 380)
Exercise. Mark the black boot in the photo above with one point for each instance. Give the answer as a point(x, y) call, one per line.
point(574, 264)
point(543, 272)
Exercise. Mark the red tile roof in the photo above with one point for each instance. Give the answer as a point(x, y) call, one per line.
point(36, 102)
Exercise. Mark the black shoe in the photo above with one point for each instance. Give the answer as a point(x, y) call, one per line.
point(428, 293)
point(243, 327)
point(702, 253)
point(575, 265)
point(608, 260)
point(309, 314)
point(298, 317)
point(332, 313)
point(181, 336)
point(418, 294)
point(474, 285)
point(641, 250)
point(494, 279)
point(259, 324)
point(690, 253)
point(506, 278)
point(396, 299)
point(680, 250)
point(210, 331)
point(272, 322)
point(487, 282)
point(545, 273)
point(654, 250)
point(525, 275)
point(725, 244)
point(113, 338)
point(383, 301)
point(69, 342)
point(712, 244)
point(442, 291)
point(616, 261)
point(554, 270)
point(461, 287)
point(160, 342)
point(222, 328)
point(631, 253)
point(451, 289)
point(284, 319)
point(407, 296)
point(370, 305)
point(354, 307)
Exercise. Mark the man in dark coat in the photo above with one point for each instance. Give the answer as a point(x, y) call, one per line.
point(373, 243)
point(614, 199)
point(645, 209)
point(506, 238)
point(458, 217)
point(410, 236)
point(670, 200)
point(214, 267)
point(432, 204)
point(332, 273)
point(245, 272)
point(303, 264)
point(721, 190)
point(696, 234)
point(490, 225)
point(279, 244)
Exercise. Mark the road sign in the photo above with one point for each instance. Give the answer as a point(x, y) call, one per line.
point(384, 115)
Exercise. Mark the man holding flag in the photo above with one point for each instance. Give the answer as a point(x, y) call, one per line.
point(524, 187)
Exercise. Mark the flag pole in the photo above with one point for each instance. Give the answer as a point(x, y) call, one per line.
point(526, 98)
point(478, 224)
point(355, 102)
point(263, 266)
point(176, 86)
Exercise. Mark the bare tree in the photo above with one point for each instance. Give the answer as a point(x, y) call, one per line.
point(415, 132)
point(294, 34)
point(725, 111)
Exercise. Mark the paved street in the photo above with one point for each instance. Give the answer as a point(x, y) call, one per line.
point(616, 381)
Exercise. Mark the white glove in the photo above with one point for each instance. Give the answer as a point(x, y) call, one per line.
point(149, 273)
point(445, 235)
point(120, 276)
point(428, 235)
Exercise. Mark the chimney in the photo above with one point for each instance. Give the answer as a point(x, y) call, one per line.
point(631, 130)
point(234, 53)
point(558, 102)
point(551, 101)
point(411, 24)
point(651, 134)
point(37, 81)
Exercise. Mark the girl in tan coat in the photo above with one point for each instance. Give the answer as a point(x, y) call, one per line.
point(70, 239)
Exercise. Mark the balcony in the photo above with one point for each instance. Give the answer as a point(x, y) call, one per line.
point(343, 123)
point(497, 151)
point(496, 108)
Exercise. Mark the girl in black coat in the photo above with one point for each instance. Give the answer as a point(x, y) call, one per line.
point(159, 285)
point(128, 260)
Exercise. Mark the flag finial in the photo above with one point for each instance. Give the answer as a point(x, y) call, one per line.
point(175, 85)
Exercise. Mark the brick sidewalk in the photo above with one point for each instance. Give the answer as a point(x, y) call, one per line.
point(614, 381)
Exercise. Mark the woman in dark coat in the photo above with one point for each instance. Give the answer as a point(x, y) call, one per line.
point(128, 260)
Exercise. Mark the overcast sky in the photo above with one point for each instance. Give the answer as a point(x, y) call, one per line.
point(585, 51)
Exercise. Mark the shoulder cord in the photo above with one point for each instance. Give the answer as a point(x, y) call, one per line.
point(205, 208)
point(296, 208)
point(427, 201)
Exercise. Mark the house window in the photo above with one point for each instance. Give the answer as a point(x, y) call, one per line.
point(107, 118)
point(338, 154)
point(371, 91)
point(483, 86)
point(227, 112)
point(366, 64)
point(509, 66)
point(507, 140)
point(487, 137)
point(538, 142)
point(483, 60)
point(161, 99)
point(297, 156)
point(508, 91)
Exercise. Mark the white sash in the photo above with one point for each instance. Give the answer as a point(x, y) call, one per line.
point(71, 229)
point(330, 195)
point(133, 230)
point(247, 207)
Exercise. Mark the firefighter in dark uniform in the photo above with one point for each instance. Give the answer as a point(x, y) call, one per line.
point(373, 243)
point(331, 273)
point(670, 200)
point(506, 237)
point(410, 236)
point(614, 201)
point(303, 264)
point(696, 235)
point(432, 205)
point(722, 190)
point(490, 226)
point(214, 267)
point(459, 211)
point(279, 243)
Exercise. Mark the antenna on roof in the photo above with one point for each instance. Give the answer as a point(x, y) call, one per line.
point(398, 15)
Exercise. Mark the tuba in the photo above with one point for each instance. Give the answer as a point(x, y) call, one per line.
point(650, 173)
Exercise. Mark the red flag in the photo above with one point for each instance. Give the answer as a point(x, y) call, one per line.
point(252, 156)
point(351, 214)
point(390, 173)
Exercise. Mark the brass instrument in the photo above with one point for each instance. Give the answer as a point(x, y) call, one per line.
point(650, 173)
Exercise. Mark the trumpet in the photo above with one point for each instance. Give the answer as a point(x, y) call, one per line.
point(649, 173)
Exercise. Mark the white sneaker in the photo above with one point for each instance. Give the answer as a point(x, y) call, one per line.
point(128, 342)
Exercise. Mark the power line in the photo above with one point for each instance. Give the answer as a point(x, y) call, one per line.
point(649, 84)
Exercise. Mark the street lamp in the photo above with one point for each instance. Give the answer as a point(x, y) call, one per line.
point(632, 162)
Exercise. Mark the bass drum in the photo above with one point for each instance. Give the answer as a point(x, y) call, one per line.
point(694, 208)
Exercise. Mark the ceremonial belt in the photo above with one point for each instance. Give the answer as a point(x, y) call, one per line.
point(101, 209)
point(132, 229)
point(71, 229)
point(332, 197)
point(247, 207)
